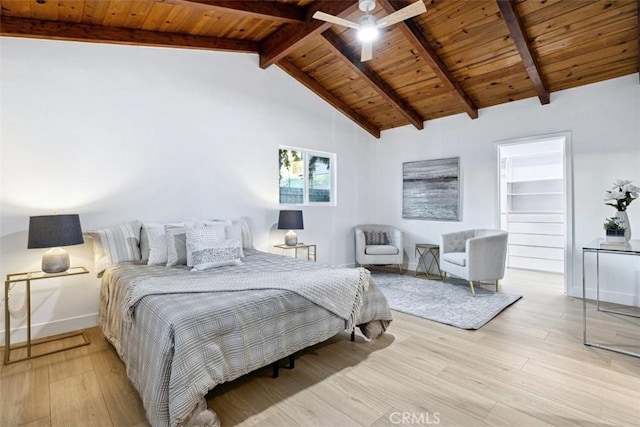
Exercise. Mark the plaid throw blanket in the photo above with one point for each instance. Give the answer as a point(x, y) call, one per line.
point(339, 291)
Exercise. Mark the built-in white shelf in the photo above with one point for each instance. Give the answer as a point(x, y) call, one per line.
point(534, 180)
point(534, 211)
point(541, 193)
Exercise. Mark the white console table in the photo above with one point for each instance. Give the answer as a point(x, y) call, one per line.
point(600, 246)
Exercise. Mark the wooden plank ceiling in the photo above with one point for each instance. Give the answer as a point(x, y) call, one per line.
point(458, 57)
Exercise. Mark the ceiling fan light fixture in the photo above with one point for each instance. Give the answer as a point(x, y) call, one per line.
point(367, 27)
point(368, 30)
point(367, 34)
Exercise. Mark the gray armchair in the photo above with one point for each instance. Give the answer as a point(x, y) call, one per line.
point(474, 255)
point(379, 245)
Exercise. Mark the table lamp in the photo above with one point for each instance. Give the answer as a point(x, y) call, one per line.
point(54, 231)
point(290, 220)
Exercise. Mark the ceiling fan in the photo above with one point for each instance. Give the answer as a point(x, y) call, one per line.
point(368, 27)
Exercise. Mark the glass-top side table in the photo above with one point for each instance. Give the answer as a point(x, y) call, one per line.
point(600, 246)
point(311, 250)
point(421, 251)
point(15, 278)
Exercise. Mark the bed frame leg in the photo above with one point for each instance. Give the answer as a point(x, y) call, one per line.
point(353, 334)
point(291, 363)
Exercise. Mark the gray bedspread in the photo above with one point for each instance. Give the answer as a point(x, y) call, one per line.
point(178, 343)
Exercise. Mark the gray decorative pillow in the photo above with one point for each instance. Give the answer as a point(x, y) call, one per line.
point(376, 238)
point(144, 245)
point(212, 255)
point(176, 238)
point(114, 245)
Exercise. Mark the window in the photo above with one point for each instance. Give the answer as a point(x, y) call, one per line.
point(306, 177)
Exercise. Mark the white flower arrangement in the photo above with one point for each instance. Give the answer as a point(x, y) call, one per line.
point(621, 195)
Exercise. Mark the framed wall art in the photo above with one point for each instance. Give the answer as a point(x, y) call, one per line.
point(431, 189)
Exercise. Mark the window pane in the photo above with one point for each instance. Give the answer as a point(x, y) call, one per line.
point(319, 179)
point(291, 177)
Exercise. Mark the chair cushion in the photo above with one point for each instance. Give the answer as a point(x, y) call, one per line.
point(457, 258)
point(381, 250)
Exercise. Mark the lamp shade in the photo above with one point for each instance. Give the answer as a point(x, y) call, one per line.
point(51, 231)
point(290, 220)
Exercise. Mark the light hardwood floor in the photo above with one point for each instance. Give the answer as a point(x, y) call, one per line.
point(527, 367)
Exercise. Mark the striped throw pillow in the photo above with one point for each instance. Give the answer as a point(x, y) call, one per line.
point(114, 245)
point(376, 238)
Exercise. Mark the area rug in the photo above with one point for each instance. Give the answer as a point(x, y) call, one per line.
point(444, 302)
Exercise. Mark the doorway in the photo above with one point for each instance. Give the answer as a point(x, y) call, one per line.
point(534, 187)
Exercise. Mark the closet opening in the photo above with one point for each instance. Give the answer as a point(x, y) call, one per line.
point(534, 206)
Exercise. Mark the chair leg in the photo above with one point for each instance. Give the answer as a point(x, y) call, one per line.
point(497, 285)
point(473, 292)
point(400, 268)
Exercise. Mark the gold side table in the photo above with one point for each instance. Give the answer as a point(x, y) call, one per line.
point(310, 253)
point(27, 278)
point(422, 249)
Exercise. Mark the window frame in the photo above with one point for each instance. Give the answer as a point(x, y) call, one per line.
point(307, 154)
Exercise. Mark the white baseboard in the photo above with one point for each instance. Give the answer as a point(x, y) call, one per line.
point(348, 265)
point(606, 296)
point(51, 328)
point(410, 266)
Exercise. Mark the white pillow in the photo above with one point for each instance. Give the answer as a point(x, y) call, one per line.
point(114, 245)
point(157, 243)
point(245, 231)
point(233, 231)
point(211, 255)
point(198, 234)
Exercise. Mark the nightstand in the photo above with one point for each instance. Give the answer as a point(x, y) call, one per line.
point(27, 278)
point(310, 253)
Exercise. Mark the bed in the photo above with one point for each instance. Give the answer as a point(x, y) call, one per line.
point(180, 333)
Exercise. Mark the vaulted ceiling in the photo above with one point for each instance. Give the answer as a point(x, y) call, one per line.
point(458, 57)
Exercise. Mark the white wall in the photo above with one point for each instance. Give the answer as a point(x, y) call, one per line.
point(604, 121)
point(116, 133)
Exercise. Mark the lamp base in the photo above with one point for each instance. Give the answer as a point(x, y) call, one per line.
point(55, 260)
point(291, 238)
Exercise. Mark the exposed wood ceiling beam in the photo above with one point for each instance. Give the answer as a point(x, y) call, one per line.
point(412, 32)
point(32, 28)
point(290, 37)
point(519, 37)
point(338, 47)
point(316, 88)
point(283, 12)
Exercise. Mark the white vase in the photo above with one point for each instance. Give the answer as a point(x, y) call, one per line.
point(624, 221)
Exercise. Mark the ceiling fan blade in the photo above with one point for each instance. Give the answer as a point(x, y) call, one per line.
point(400, 15)
point(335, 20)
point(367, 51)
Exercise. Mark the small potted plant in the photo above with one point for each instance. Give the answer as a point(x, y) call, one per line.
point(614, 230)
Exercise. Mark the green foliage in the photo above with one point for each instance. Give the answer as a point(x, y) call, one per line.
point(613, 224)
point(286, 156)
point(312, 166)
